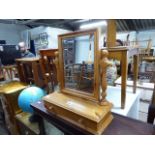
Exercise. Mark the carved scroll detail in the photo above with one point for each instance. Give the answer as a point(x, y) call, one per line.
point(104, 63)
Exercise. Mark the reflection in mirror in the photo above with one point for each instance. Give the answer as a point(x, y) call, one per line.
point(78, 55)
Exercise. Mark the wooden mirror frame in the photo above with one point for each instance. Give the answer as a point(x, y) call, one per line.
point(95, 96)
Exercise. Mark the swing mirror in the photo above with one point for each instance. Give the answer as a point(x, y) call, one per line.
point(78, 63)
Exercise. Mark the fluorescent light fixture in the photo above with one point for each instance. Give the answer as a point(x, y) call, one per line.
point(92, 25)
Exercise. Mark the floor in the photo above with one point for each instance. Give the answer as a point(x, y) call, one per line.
point(143, 111)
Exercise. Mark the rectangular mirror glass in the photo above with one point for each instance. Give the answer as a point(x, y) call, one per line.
point(78, 55)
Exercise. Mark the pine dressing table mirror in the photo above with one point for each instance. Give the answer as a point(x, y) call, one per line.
point(81, 73)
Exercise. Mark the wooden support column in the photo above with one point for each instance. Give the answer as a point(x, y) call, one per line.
point(135, 72)
point(124, 70)
point(111, 33)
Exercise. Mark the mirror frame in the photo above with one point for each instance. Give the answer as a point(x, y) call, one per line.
point(90, 96)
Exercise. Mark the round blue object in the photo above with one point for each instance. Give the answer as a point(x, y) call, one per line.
point(30, 95)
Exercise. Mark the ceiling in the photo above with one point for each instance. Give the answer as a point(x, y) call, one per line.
point(73, 24)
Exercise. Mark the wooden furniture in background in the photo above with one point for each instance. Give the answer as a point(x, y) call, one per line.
point(122, 54)
point(29, 71)
point(111, 33)
point(145, 52)
point(25, 126)
point(145, 87)
point(79, 76)
point(9, 93)
point(8, 72)
point(149, 58)
point(120, 125)
point(48, 67)
point(2, 116)
point(1, 74)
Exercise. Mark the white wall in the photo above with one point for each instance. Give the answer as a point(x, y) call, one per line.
point(141, 36)
point(102, 33)
point(122, 36)
point(52, 36)
point(11, 33)
point(145, 35)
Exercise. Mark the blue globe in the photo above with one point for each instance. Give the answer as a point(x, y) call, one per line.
point(30, 95)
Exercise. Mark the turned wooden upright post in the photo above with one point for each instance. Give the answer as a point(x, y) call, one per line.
point(104, 63)
point(111, 33)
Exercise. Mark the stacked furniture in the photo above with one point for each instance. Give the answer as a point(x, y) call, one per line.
point(9, 93)
point(29, 71)
point(48, 68)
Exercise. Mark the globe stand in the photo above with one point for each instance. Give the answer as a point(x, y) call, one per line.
point(34, 118)
point(38, 119)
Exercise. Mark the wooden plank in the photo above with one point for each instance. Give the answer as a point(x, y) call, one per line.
point(135, 72)
point(115, 55)
point(111, 33)
point(27, 59)
point(124, 68)
point(20, 71)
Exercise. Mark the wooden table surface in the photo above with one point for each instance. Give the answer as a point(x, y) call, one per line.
point(120, 125)
point(149, 58)
point(28, 59)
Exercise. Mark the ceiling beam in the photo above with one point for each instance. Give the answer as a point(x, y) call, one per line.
point(125, 24)
point(118, 27)
point(121, 25)
point(7, 21)
point(28, 21)
point(80, 21)
point(90, 21)
point(71, 27)
point(135, 25)
point(142, 23)
point(52, 24)
point(11, 21)
point(151, 24)
point(145, 24)
point(139, 26)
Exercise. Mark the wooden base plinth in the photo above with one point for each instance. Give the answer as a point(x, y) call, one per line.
point(85, 114)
